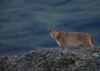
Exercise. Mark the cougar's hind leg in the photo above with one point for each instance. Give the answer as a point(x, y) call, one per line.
point(89, 44)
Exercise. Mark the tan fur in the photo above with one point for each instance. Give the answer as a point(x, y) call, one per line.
point(72, 39)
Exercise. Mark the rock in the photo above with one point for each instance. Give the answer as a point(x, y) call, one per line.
point(96, 55)
point(53, 60)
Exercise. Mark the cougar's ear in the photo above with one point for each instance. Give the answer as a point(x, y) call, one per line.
point(50, 30)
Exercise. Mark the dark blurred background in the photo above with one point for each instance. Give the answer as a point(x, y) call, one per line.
point(25, 24)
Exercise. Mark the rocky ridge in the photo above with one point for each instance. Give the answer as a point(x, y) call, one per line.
point(53, 60)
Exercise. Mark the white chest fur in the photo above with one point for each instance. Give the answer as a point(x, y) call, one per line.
point(58, 43)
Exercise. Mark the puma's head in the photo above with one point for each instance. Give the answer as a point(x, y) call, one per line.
point(54, 33)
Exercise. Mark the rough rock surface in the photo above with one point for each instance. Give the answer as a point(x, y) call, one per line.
point(53, 60)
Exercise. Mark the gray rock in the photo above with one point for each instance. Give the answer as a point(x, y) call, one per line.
point(53, 60)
